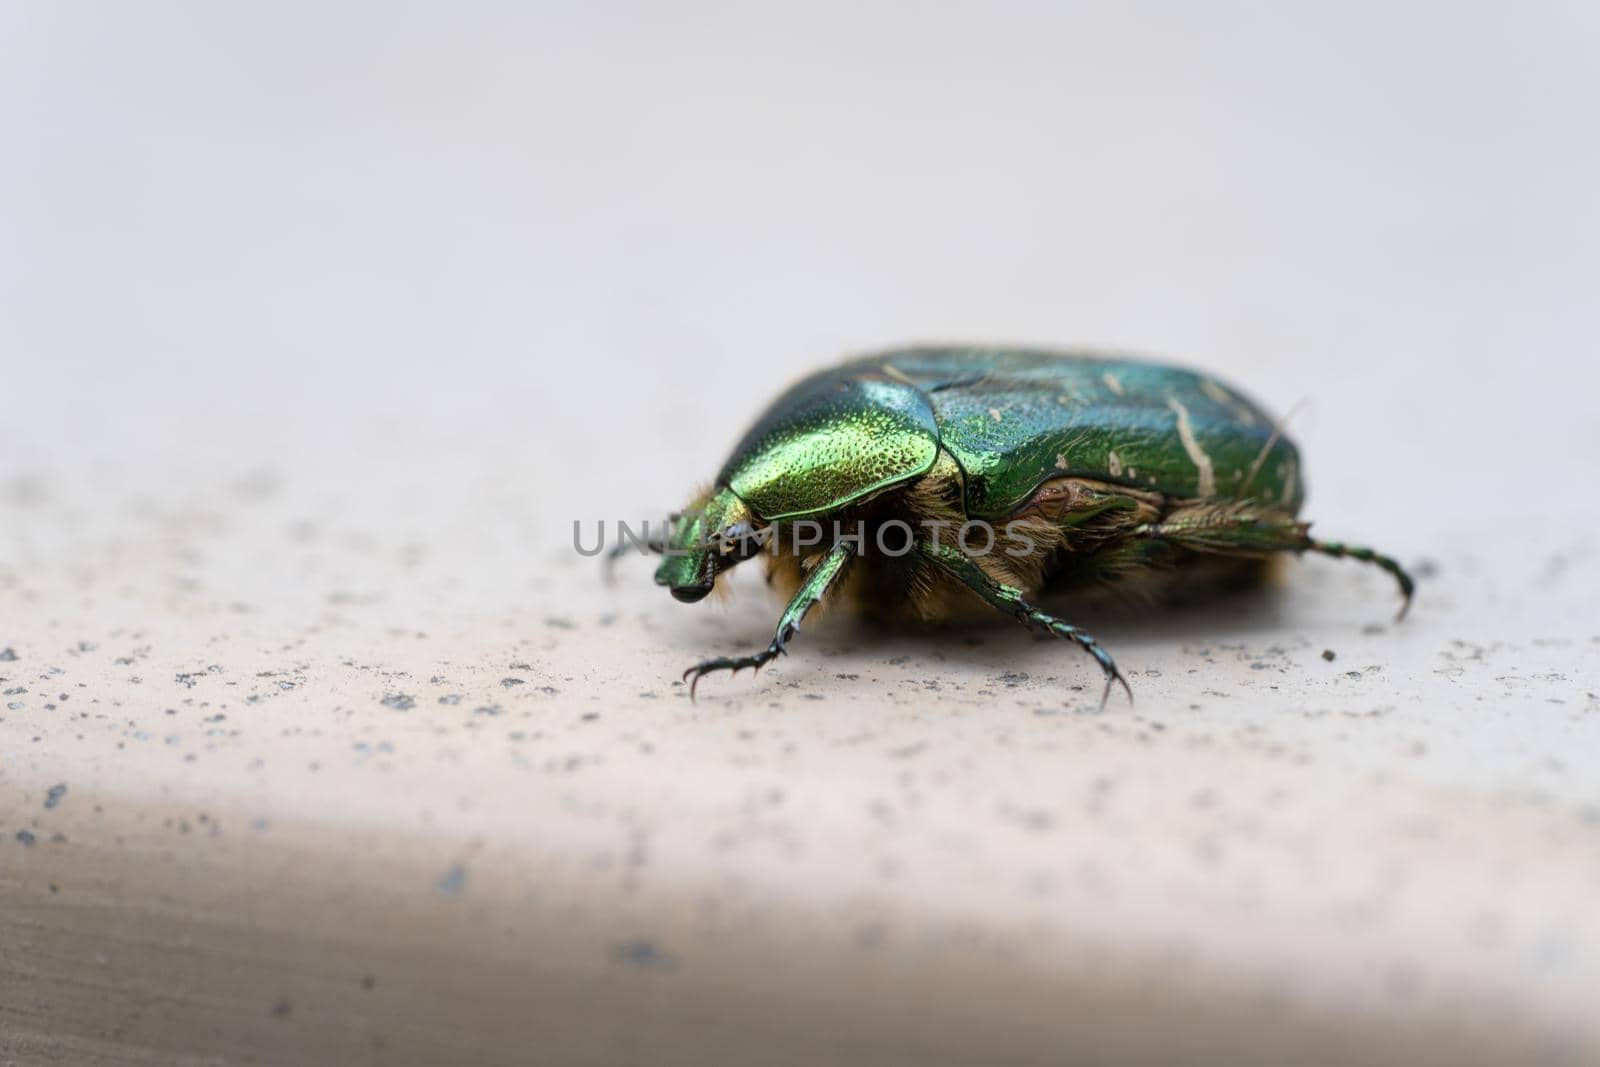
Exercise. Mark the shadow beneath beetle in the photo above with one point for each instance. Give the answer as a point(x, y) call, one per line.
point(1231, 614)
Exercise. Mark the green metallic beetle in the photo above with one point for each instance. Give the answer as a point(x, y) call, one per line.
point(877, 477)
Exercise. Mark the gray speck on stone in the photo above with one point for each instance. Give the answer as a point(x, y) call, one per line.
point(452, 699)
point(53, 795)
point(561, 624)
point(643, 953)
point(27, 838)
point(870, 936)
point(8, 655)
point(452, 881)
point(1328, 654)
point(399, 701)
point(1037, 821)
point(509, 682)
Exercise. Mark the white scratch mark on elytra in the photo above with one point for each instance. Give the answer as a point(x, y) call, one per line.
point(1272, 439)
point(1197, 455)
point(1112, 383)
point(1227, 400)
point(1114, 464)
point(994, 413)
point(1069, 446)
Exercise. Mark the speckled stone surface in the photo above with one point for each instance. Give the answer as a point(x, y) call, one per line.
point(322, 744)
point(283, 780)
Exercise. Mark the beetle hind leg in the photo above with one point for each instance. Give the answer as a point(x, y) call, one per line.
point(1408, 585)
point(1246, 529)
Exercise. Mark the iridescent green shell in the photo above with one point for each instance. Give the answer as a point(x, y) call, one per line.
point(1012, 419)
point(834, 438)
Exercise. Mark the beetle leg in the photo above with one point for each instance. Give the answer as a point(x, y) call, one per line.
point(1408, 586)
point(655, 545)
point(1245, 530)
point(1010, 599)
point(815, 587)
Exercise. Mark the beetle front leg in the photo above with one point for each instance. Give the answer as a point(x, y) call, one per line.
point(654, 545)
point(821, 579)
point(1009, 599)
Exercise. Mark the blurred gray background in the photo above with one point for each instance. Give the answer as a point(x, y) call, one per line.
point(258, 234)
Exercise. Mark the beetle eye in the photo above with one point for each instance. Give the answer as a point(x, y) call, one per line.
point(739, 540)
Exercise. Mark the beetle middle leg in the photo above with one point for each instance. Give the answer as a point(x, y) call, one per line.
point(812, 590)
point(1010, 599)
point(1247, 529)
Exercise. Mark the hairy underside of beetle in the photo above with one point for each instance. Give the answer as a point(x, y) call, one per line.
point(1094, 540)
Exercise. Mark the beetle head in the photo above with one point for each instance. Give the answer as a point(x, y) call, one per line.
point(716, 532)
point(829, 441)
